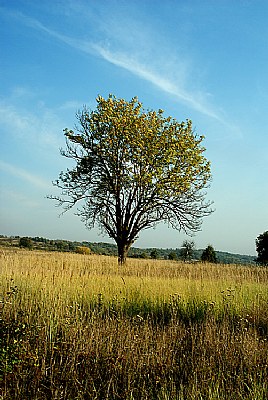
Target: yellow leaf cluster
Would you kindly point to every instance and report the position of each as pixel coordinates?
(146, 147)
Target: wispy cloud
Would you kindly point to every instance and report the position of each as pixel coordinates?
(35, 24)
(40, 128)
(72, 105)
(133, 64)
(127, 62)
(25, 175)
(8, 196)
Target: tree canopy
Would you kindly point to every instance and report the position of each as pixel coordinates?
(26, 242)
(187, 250)
(209, 255)
(133, 169)
(262, 248)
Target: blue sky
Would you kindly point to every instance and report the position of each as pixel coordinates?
(203, 60)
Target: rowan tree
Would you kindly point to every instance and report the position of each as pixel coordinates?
(133, 169)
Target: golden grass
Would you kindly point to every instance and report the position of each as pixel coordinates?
(80, 327)
(71, 276)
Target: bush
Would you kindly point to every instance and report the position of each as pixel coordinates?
(154, 254)
(172, 256)
(26, 243)
(83, 250)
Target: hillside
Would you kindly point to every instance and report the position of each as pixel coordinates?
(41, 243)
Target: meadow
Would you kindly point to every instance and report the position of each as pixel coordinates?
(81, 327)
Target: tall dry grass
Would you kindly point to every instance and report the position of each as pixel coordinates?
(80, 327)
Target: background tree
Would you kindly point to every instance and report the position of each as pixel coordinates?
(187, 250)
(26, 243)
(154, 254)
(209, 255)
(262, 248)
(172, 255)
(134, 168)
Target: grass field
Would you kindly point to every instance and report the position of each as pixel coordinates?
(80, 327)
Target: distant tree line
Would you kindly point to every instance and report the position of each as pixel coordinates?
(187, 252)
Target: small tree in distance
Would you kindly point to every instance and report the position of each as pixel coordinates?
(209, 255)
(187, 250)
(262, 248)
(154, 254)
(133, 169)
(172, 255)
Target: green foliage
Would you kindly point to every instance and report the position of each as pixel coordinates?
(26, 242)
(111, 249)
(209, 255)
(139, 254)
(262, 248)
(187, 250)
(62, 245)
(154, 254)
(12, 332)
(134, 168)
(172, 255)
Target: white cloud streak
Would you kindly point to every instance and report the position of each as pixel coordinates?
(39, 129)
(133, 66)
(197, 101)
(25, 175)
(9, 197)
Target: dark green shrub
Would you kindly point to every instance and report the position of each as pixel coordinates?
(172, 256)
(209, 255)
(26, 243)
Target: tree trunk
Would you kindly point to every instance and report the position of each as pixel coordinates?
(122, 252)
